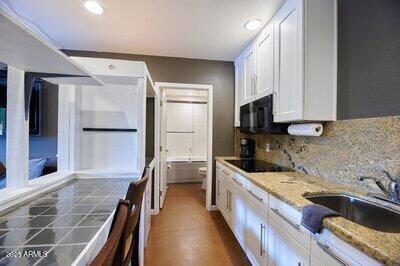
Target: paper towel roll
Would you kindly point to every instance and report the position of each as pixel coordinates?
(311, 129)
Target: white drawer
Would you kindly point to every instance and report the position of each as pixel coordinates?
(258, 196)
(238, 181)
(331, 250)
(289, 219)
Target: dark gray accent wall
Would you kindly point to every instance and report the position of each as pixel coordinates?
(44, 145)
(220, 74)
(368, 58)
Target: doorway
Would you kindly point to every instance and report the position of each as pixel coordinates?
(185, 118)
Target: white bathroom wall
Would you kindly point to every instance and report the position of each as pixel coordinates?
(111, 106)
(186, 131)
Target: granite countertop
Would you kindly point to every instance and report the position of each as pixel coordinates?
(382, 246)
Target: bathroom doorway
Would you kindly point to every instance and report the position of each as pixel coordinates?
(185, 137)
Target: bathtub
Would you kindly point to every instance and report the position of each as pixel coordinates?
(184, 171)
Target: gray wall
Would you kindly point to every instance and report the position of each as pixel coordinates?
(44, 145)
(368, 58)
(220, 74)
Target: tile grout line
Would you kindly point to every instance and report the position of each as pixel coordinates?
(57, 244)
(110, 194)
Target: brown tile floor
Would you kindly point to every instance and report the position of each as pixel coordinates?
(185, 233)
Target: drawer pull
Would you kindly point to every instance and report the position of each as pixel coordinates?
(330, 253)
(254, 195)
(262, 238)
(237, 182)
(275, 210)
(225, 172)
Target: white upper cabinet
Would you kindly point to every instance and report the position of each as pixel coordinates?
(288, 54)
(265, 60)
(250, 70)
(239, 85)
(295, 58)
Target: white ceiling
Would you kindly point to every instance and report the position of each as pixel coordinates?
(205, 29)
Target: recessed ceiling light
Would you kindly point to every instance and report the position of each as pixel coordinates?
(191, 93)
(94, 7)
(252, 24)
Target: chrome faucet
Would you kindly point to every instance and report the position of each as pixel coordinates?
(392, 192)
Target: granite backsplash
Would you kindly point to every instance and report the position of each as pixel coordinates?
(347, 149)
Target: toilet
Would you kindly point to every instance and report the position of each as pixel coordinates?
(203, 174)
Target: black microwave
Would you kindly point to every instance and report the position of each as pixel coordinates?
(258, 117)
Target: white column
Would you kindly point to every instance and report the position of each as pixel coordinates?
(63, 138)
(141, 130)
(17, 130)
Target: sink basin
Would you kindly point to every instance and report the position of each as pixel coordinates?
(360, 211)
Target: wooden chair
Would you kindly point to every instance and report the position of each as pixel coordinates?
(130, 240)
(112, 247)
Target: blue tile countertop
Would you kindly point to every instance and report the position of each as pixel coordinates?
(54, 228)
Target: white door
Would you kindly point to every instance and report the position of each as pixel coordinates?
(284, 250)
(249, 74)
(238, 221)
(265, 55)
(288, 62)
(256, 235)
(163, 150)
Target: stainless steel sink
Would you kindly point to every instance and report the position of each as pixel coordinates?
(360, 211)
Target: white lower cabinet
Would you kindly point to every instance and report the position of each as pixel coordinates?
(269, 230)
(225, 200)
(238, 218)
(256, 235)
(284, 250)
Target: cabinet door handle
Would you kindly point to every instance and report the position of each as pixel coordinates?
(230, 201)
(254, 195)
(237, 182)
(297, 226)
(219, 181)
(226, 173)
(262, 228)
(330, 253)
(227, 200)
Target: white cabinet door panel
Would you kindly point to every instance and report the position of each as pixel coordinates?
(239, 89)
(265, 56)
(238, 216)
(250, 66)
(288, 60)
(283, 250)
(256, 235)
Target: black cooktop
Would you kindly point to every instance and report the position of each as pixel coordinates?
(255, 165)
